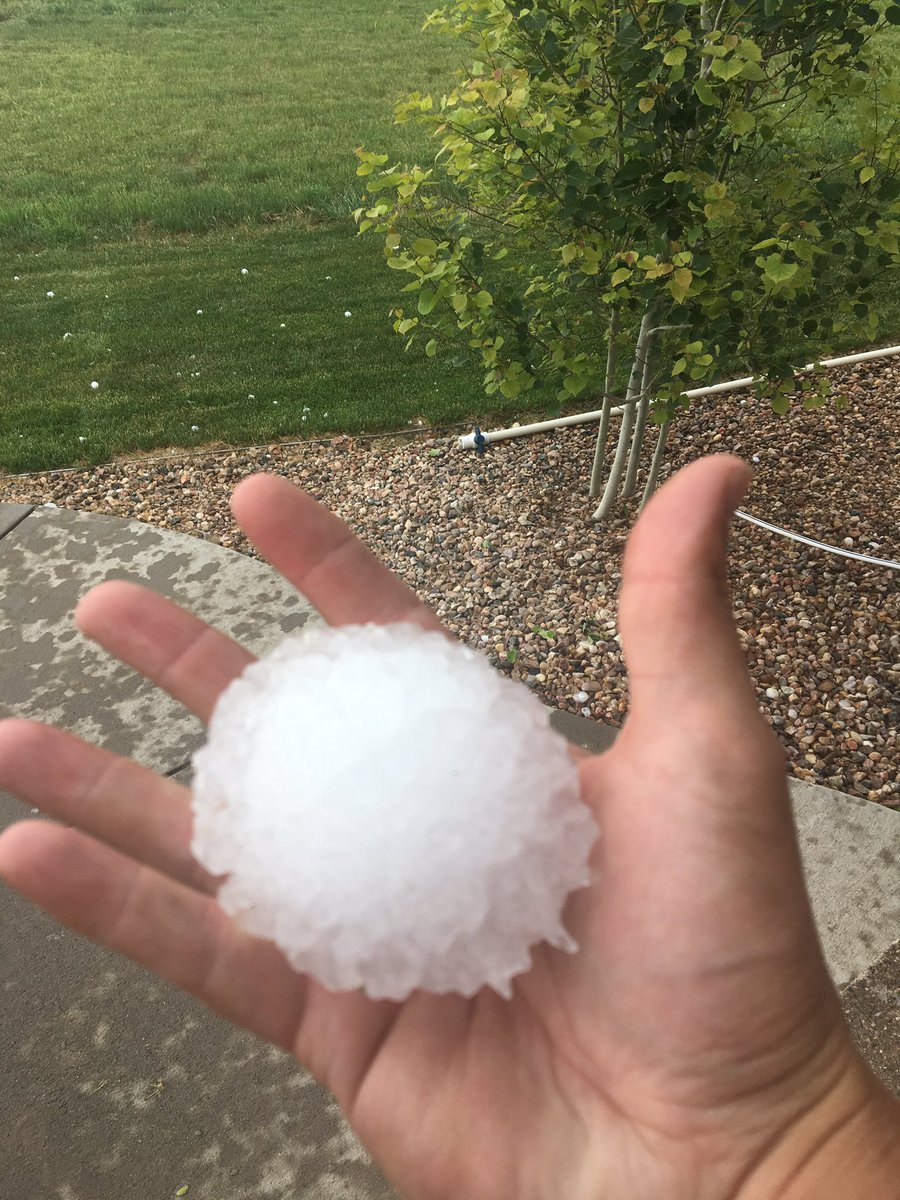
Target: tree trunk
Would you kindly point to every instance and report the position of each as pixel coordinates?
(612, 357)
(658, 455)
(637, 439)
(641, 351)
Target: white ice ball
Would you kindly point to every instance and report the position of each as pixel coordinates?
(391, 811)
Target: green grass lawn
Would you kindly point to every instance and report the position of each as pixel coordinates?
(272, 354)
(152, 149)
(185, 115)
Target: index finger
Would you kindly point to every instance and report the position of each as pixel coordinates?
(316, 552)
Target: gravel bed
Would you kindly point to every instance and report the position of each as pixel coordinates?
(503, 548)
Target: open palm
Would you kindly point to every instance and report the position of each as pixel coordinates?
(684, 1052)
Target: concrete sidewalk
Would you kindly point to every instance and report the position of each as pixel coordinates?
(118, 1087)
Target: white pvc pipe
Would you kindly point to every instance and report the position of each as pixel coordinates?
(467, 440)
(799, 537)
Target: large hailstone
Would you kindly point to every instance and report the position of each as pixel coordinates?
(390, 811)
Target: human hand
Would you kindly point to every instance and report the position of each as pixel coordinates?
(693, 1048)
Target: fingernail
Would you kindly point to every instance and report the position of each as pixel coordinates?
(738, 486)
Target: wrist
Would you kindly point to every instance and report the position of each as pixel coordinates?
(846, 1148)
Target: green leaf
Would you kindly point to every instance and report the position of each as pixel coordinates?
(646, 103)
(431, 348)
(812, 402)
(780, 404)
(512, 654)
(705, 93)
(680, 283)
(778, 270)
(427, 301)
(892, 14)
(748, 49)
(741, 122)
(754, 72)
(621, 275)
(727, 68)
(425, 246)
(866, 174)
(675, 57)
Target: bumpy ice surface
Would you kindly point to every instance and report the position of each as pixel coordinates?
(390, 811)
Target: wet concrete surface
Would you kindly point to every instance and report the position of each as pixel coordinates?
(117, 1087)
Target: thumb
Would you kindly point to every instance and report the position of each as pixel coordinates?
(678, 634)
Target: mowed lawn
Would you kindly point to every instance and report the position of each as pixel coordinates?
(153, 150)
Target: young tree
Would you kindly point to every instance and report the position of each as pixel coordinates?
(642, 188)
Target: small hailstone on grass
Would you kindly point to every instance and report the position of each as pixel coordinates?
(94, 385)
(66, 336)
(82, 439)
(348, 314)
(199, 312)
(251, 397)
(283, 326)
(244, 271)
(50, 295)
(16, 278)
(385, 834)
(195, 429)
